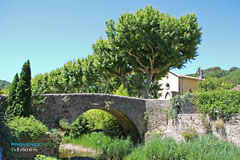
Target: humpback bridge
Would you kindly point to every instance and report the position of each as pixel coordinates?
(136, 116)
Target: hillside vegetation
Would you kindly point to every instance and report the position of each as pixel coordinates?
(4, 84)
(232, 75)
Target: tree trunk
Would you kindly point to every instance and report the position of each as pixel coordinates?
(147, 85)
(123, 81)
(106, 88)
(99, 87)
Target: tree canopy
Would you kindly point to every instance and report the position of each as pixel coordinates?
(155, 42)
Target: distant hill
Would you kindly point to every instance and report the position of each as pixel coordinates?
(4, 84)
(232, 75)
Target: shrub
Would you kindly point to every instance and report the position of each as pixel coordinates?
(6, 138)
(78, 127)
(219, 125)
(63, 124)
(43, 157)
(121, 91)
(27, 128)
(190, 133)
(55, 135)
(223, 104)
(214, 84)
(206, 124)
(98, 119)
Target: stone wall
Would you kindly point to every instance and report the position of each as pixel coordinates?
(156, 113)
(230, 130)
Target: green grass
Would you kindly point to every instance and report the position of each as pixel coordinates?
(202, 148)
(110, 148)
(206, 147)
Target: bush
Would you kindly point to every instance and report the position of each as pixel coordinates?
(43, 157)
(190, 133)
(78, 127)
(63, 124)
(219, 125)
(27, 128)
(214, 84)
(6, 138)
(98, 119)
(223, 104)
(121, 91)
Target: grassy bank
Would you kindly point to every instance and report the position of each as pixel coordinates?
(202, 148)
(110, 148)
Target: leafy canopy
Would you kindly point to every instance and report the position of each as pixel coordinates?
(155, 42)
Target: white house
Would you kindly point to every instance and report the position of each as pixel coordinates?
(173, 84)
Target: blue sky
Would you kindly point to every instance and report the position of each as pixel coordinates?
(51, 32)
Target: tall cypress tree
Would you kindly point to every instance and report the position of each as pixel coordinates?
(24, 92)
(11, 112)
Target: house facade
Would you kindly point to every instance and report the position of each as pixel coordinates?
(173, 84)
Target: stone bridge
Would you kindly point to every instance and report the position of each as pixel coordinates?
(135, 115)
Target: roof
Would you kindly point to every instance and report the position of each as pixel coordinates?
(188, 77)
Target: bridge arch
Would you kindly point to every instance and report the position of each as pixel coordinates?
(129, 112)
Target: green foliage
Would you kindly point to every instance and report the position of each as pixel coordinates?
(121, 91)
(3, 91)
(55, 135)
(27, 128)
(155, 149)
(110, 61)
(206, 71)
(233, 77)
(213, 84)
(190, 133)
(233, 69)
(6, 137)
(91, 120)
(24, 91)
(43, 157)
(12, 111)
(4, 84)
(63, 124)
(203, 147)
(98, 119)
(217, 74)
(154, 42)
(78, 127)
(208, 147)
(177, 103)
(19, 97)
(222, 104)
(110, 148)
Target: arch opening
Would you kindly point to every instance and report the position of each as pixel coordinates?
(128, 128)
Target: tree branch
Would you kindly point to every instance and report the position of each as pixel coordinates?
(138, 60)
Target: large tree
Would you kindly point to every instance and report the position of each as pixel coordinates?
(11, 112)
(24, 92)
(155, 42)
